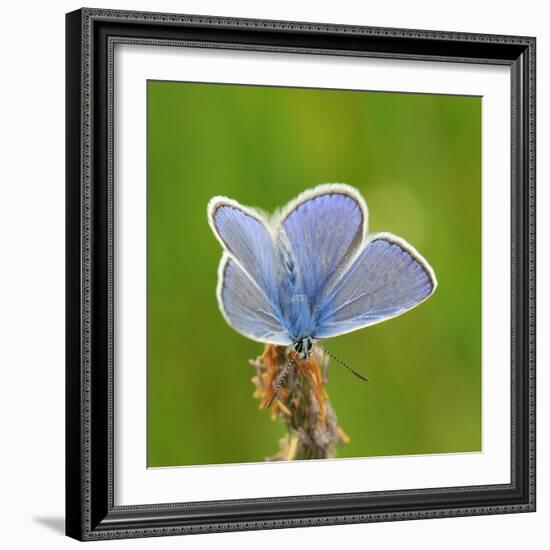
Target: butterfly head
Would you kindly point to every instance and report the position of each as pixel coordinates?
(303, 347)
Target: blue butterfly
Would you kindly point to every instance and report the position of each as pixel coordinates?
(311, 271)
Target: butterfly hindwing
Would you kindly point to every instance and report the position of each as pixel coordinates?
(387, 278)
(246, 307)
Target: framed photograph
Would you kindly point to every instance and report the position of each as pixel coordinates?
(300, 274)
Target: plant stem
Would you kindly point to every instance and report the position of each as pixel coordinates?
(302, 404)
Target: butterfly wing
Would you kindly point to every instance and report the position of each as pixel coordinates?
(387, 278)
(245, 306)
(245, 237)
(325, 227)
(247, 290)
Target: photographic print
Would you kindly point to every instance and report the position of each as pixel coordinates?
(313, 274)
(300, 274)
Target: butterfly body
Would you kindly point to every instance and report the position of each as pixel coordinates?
(303, 347)
(312, 271)
(296, 308)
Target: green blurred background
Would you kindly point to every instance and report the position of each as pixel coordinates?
(417, 161)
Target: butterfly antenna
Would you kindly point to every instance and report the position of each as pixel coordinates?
(358, 374)
(282, 377)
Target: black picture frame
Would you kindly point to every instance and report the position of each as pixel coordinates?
(90, 510)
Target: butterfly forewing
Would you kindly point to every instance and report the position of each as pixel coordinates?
(325, 227)
(246, 238)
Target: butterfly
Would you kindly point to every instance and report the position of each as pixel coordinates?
(312, 271)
